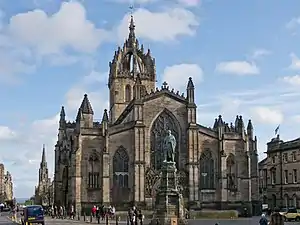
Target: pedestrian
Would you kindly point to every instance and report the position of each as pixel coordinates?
(276, 218)
(263, 220)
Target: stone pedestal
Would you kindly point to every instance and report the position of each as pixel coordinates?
(169, 208)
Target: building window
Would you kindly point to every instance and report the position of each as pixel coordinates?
(286, 201)
(285, 157)
(295, 178)
(127, 93)
(93, 180)
(94, 171)
(273, 159)
(273, 176)
(265, 178)
(286, 177)
(207, 170)
(294, 156)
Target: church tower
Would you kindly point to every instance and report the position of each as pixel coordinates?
(129, 63)
(43, 171)
(41, 196)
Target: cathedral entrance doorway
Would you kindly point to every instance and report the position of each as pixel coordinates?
(121, 188)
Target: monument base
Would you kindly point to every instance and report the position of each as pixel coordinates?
(169, 207)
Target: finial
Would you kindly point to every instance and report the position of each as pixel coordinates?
(131, 8)
(164, 85)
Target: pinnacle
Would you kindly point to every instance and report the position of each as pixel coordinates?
(86, 107)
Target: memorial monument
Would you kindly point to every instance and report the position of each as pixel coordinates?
(169, 205)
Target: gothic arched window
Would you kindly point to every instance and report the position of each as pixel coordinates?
(207, 170)
(121, 168)
(295, 201)
(94, 171)
(127, 93)
(231, 173)
(159, 128)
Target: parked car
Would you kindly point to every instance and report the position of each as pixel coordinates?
(290, 214)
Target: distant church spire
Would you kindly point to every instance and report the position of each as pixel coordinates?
(43, 155)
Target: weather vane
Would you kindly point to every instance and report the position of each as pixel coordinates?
(131, 8)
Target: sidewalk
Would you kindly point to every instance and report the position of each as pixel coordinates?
(87, 220)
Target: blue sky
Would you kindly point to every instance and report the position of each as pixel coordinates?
(242, 55)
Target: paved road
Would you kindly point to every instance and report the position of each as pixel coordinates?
(4, 220)
(242, 221)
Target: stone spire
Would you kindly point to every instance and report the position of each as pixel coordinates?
(190, 89)
(131, 30)
(86, 107)
(43, 171)
(43, 162)
(105, 116)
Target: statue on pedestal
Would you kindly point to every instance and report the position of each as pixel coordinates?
(169, 205)
(169, 147)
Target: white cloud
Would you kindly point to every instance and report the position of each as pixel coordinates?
(292, 80)
(266, 115)
(189, 2)
(177, 75)
(6, 133)
(293, 23)
(159, 26)
(295, 64)
(237, 68)
(259, 53)
(68, 27)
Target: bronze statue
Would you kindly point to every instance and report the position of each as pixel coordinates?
(169, 147)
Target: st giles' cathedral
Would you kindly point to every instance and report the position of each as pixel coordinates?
(117, 160)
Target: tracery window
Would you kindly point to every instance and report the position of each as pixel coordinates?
(94, 171)
(127, 93)
(207, 170)
(162, 123)
(231, 172)
(120, 167)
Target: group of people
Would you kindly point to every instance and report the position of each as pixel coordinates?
(60, 212)
(103, 212)
(135, 215)
(275, 219)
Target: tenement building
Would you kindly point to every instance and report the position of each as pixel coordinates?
(43, 189)
(117, 160)
(279, 174)
(6, 185)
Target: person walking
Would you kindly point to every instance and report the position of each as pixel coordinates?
(276, 218)
(263, 220)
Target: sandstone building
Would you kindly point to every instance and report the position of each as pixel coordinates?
(117, 160)
(43, 189)
(6, 185)
(279, 174)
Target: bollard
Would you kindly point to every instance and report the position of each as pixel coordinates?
(91, 218)
(107, 221)
(141, 220)
(84, 216)
(117, 220)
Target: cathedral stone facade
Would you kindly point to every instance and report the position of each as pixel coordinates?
(117, 161)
